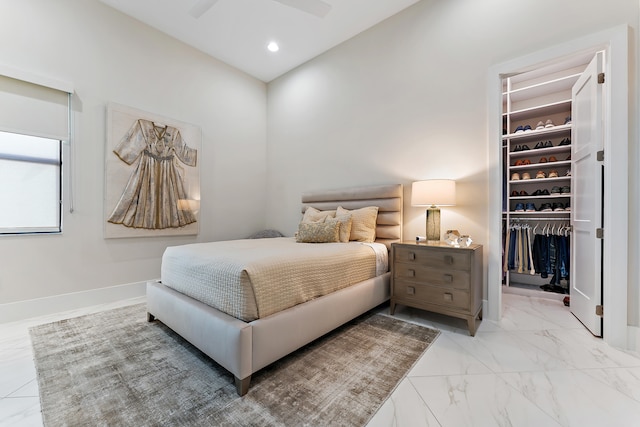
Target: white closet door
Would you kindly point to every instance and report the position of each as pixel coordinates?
(586, 205)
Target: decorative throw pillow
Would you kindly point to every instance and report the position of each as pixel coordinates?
(318, 232)
(315, 215)
(266, 234)
(363, 227)
(345, 226)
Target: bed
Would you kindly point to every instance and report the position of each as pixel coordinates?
(245, 346)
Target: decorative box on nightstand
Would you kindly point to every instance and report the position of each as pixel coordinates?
(437, 277)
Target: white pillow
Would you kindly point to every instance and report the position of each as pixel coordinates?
(345, 226)
(363, 227)
(315, 215)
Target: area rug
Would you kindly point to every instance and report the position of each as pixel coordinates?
(115, 369)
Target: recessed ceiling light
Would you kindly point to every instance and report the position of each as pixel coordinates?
(273, 47)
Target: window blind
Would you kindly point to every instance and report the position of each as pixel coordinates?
(31, 109)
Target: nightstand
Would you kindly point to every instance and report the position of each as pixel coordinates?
(437, 277)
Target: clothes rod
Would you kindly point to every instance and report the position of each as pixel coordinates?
(539, 219)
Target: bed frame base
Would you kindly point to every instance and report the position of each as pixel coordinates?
(244, 348)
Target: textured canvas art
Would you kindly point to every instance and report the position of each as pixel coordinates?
(152, 175)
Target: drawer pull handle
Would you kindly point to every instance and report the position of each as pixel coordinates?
(411, 290)
(448, 260)
(412, 256)
(448, 278)
(448, 297)
(411, 273)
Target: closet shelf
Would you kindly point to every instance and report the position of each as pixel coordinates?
(550, 196)
(541, 165)
(539, 180)
(545, 87)
(549, 109)
(536, 134)
(533, 152)
(538, 214)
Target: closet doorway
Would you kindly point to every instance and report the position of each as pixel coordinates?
(598, 267)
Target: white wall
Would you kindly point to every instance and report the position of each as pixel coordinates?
(112, 58)
(407, 100)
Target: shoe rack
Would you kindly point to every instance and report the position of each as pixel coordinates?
(536, 144)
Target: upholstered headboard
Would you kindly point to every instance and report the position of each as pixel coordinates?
(388, 198)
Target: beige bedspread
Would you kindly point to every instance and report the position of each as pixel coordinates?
(253, 278)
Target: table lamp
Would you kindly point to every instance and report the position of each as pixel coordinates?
(433, 193)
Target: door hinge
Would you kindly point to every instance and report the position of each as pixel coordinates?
(599, 310)
(600, 233)
(600, 78)
(600, 156)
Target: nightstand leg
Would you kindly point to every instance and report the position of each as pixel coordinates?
(471, 322)
(392, 308)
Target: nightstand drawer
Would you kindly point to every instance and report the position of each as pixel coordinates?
(432, 276)
(416, 295)
(439, 258)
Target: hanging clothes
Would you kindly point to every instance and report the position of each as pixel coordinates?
(152, 197)
(544, 252)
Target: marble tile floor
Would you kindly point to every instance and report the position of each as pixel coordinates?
(538, 366)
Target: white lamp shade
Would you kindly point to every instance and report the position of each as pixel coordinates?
(438, 192)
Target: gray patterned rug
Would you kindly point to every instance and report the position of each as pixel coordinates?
(115, 369)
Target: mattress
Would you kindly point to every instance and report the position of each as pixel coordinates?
(254, 278)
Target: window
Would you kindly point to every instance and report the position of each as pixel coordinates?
(30, 173)
(34, 127)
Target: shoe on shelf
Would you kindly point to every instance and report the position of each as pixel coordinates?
(515, 176)
(540, 175)
(530, 207)
(542, 160)
(568, 157)
(566, 141)
(519, 207)
(539, 145)
(538, 192)
(548, 144)
(567, 120)
(527, 128)
(519, 129)
(557, 207)
(548, 124)
(565, 190)
(545, 192)
(518, 163)
(568, 173)
(524, 148)
(516, 149)
(546, 207)
(567, 207)
(555, 190)
(514, 193)
(526, 162)
(553, 174)
(526, 175)
(553, 159)
(540, 125)
(523, 193)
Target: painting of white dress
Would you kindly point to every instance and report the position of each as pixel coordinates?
(152, 175)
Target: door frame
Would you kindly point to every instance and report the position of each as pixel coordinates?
(615, 43)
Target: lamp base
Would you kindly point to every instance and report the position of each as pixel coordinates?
(433, 224)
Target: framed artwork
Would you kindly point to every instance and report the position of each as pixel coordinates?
(152, 175)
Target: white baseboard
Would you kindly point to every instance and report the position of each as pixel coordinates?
(633, 338)
(22, 310)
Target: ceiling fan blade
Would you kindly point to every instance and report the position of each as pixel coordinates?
(200, 7)
(318, 8)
